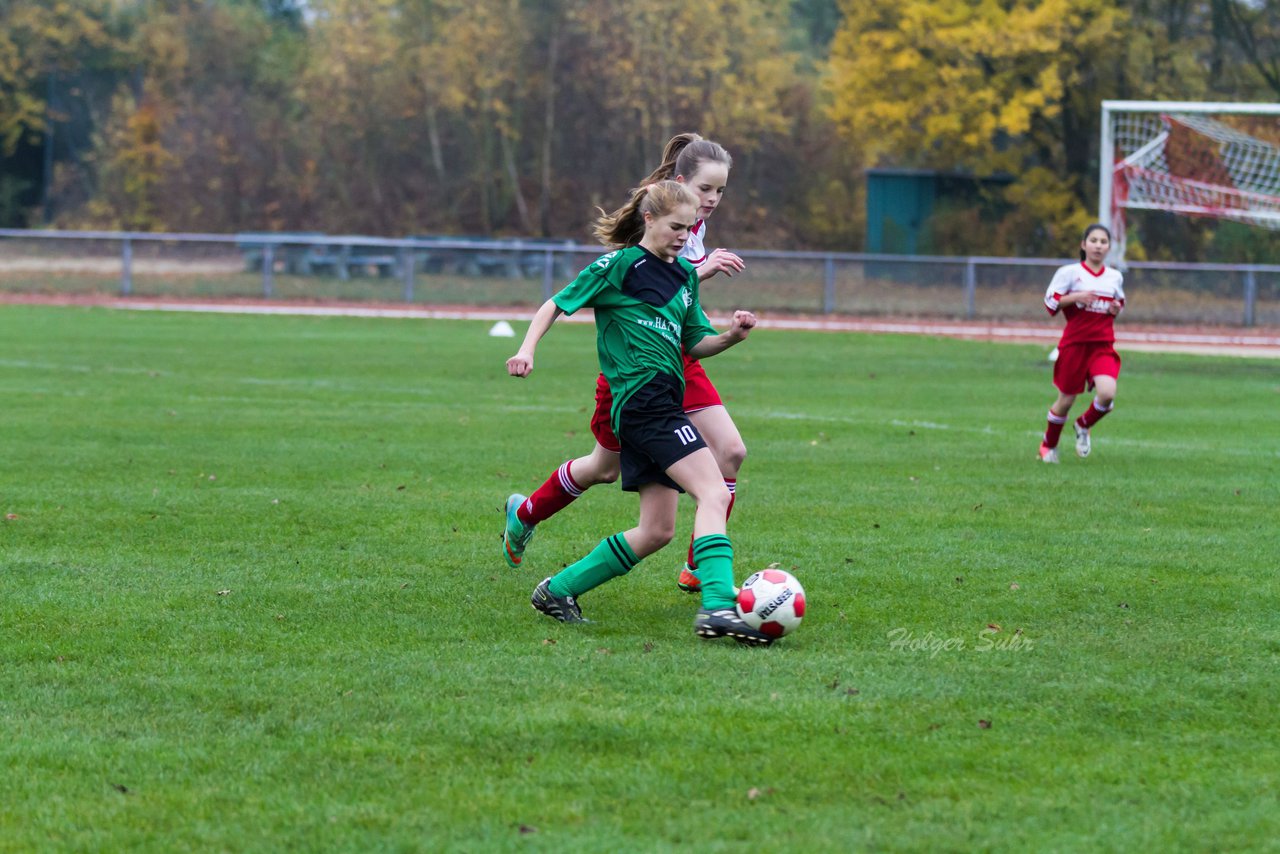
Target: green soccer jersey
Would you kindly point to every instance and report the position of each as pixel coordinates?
(646, 310)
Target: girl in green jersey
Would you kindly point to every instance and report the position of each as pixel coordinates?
(645, 299)
(703, 166)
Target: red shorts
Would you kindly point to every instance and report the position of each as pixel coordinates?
(1078, 364)
(699, 393)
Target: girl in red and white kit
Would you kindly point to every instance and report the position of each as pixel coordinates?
(1090, 295)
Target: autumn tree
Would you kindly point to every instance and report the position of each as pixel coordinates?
(981, 87)
(41, 43)
(200, 138)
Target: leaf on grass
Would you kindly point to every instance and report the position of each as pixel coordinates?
(525, 828)
(548, 641)
(224, 592)
(959, 579)
(977, 506)
(1015, 586)
(995, 627)
(648, 647)
(122, 789)
(1124, 604)
(400, 488)
(852, 692)
(753, 793)
(604, 650)
(11, 516)
(984, 724)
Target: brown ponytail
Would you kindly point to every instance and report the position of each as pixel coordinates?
(625, 226)
(684, 153)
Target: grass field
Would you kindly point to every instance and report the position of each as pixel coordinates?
(251, 599)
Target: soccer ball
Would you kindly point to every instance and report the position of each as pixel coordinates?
(772, 601)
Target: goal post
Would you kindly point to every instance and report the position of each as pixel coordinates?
(1193, 158)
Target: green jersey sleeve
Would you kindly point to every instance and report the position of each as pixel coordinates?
(597, 276)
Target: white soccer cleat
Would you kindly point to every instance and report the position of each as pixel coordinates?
(1083, 445)
(1047, 454)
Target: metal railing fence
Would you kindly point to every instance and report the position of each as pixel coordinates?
(483, 272)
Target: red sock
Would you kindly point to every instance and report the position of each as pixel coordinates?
(1092, 415)
(732, 483)
(557, 493)
(1054, 429)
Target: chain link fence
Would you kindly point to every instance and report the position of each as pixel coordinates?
(523, 273)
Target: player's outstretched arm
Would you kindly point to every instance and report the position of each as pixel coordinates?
(743, 323)
(521, 364)
(720, 261)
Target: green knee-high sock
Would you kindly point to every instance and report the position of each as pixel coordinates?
(613, 557)
(713, 555)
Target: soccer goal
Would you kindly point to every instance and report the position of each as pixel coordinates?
(1191, 158)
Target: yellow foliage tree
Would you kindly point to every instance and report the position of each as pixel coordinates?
(979, 86)
(38, 39)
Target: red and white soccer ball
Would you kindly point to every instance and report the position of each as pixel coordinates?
(772, 601)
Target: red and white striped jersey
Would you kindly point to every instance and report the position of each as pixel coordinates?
(1092, 322)
(695, 251)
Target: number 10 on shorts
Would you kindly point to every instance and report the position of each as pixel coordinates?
(686, 434)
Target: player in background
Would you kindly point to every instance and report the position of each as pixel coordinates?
(647, 316)
(1090, 296)
(703, 166)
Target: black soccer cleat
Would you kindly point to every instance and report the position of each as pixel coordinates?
(725, 622)
(562, 608)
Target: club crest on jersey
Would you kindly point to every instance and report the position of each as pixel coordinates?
(687, 296)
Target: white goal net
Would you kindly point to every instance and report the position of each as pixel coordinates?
(1193, 159)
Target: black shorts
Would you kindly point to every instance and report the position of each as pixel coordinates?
(655, 433)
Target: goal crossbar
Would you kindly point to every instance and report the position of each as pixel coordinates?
(1175, 156)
